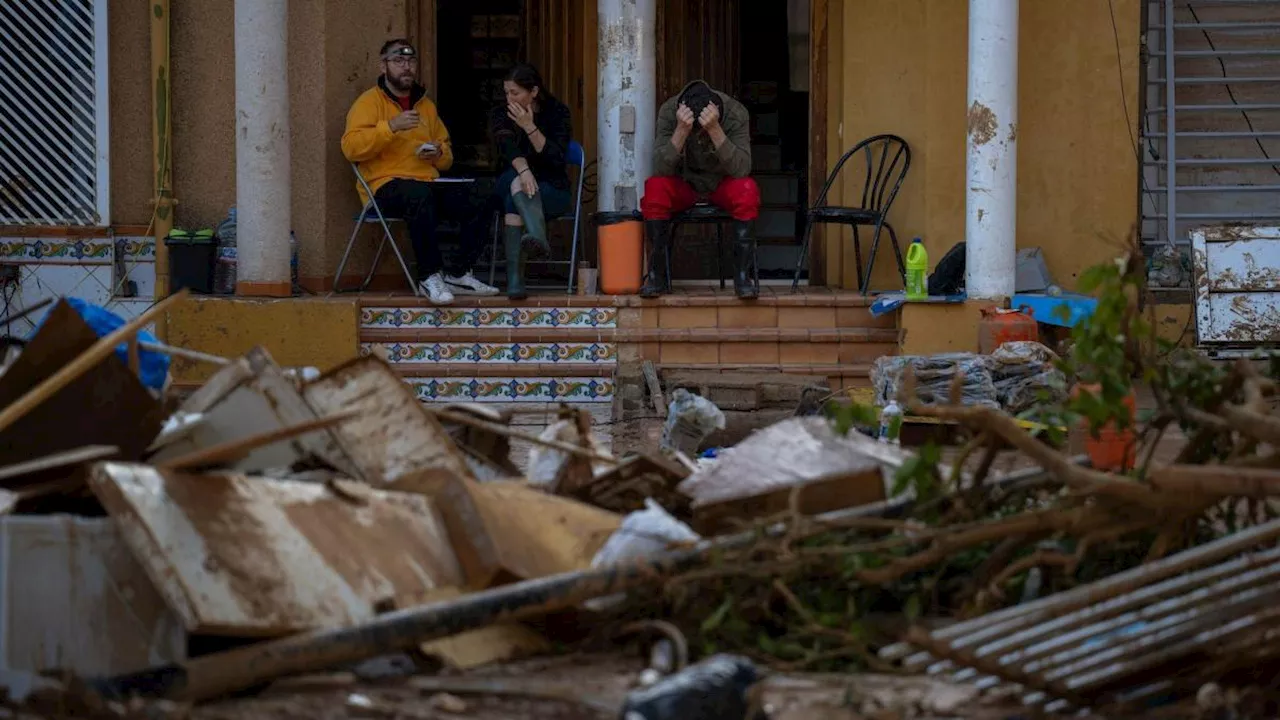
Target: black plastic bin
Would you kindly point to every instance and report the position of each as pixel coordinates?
(192, 259)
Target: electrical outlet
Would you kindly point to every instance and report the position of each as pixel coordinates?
(8, 274)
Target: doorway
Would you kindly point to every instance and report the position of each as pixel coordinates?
(759, 53)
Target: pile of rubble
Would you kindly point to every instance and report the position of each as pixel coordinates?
(161, 555)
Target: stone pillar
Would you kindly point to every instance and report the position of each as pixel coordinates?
(262, 148)
(992, 164)
(627, 107)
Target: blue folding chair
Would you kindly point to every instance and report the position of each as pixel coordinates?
(576, 157)
(372, 214)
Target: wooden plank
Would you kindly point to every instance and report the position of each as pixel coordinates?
(507, 530)
(72, 597)
(477, 648)
(40, 467)
(107, 405)
(394, 435)
(236, 555)
(253, 397)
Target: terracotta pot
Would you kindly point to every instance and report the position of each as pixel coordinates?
(1114, 449)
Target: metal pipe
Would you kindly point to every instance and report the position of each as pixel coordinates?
(627, 111)
(992, 161)
(262, 148)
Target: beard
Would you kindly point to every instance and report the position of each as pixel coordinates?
(403, 82)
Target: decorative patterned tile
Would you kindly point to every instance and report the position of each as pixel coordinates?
(462, 318)
(486, 352)
(69, 251)
(507, 390)
(141, 248)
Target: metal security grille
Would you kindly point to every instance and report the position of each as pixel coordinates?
(53, 112)
(1211, 128)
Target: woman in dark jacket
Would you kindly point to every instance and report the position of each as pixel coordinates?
(532, 132)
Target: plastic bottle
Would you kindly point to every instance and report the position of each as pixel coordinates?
(891, 423)
(917, 280)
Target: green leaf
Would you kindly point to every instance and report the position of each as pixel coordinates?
(912, 608)
(715, 619)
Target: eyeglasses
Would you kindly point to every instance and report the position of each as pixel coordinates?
(402, 61)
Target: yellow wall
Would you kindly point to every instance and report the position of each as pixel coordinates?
(297, 332)
(900, 67)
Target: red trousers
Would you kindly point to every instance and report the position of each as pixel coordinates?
(665, 196)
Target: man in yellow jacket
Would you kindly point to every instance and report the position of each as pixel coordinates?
(401, 146)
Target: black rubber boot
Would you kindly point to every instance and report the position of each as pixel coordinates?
(657, 283)
(745, 283)
(513, 242)
(535, 224)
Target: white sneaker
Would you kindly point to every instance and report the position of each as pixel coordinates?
(436, 290)
(468, 285)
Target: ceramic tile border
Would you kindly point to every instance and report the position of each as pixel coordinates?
(479, 318)
(138, 249)
(495, 352)
(508, 390)
(54, 250)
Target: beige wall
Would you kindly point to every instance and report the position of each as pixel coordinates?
(901, 68)
(332, 58)
(130, 91)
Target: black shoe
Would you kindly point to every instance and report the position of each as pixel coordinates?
(657, 283)
(746, 281)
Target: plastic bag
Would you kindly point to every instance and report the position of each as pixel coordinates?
(690, 419)
(153, 367)
(1023, 370)
(717, 688)
(934, 375)
(643, 533)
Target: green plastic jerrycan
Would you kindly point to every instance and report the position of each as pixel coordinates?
(917, 271)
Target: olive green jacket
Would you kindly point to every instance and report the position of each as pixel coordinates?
(702, 164)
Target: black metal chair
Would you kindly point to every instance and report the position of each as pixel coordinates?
(704, 213)
(887, 160)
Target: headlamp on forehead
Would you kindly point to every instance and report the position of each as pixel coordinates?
(404, 51)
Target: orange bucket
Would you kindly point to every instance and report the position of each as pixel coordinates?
(1114, 449)
(620, 236)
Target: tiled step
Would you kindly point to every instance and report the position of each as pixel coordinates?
(403, 314)
(838, 375)
(529, 389)
(547, 354)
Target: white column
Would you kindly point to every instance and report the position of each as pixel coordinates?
(628, 109)
(991, 196)
(262, 147)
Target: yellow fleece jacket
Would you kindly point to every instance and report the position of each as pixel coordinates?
(384, 155)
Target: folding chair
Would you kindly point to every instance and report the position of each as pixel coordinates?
(879, 188)
(576, 157)
(371, 214)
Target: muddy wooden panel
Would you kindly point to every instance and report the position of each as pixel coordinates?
(1237, 286)
(238, 555)
(72, 597)
(251, 397)
(756, 478)
(394, 435)
(504, 531)
(107, 405)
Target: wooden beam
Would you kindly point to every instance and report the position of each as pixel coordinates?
(819, 12)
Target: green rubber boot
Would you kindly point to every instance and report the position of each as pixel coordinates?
(535, 223)
(513, 241)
